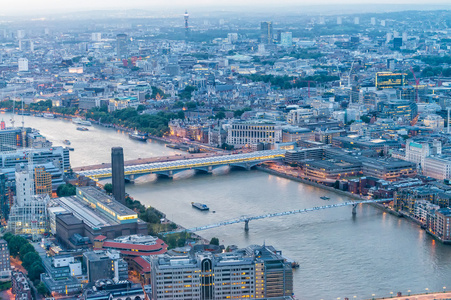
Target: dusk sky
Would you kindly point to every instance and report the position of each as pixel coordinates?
(13, 7)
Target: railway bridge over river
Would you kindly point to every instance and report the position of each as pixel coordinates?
(206, 164)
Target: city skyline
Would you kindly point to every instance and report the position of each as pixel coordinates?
(28, 7)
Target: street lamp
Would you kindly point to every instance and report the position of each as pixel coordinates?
(408, 292)
(444, 289)
(426, 290)
(373, 295)
(391, 294)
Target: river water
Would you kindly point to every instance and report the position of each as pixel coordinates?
(339, 255)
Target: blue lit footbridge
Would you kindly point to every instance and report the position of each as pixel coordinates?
(207, 164)
(246, 219)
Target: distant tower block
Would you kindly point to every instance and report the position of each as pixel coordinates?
(117, 171)
(186, 17)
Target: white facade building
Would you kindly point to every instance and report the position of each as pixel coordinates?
(28, 215)
(435, 122)
(23, 65)
(297, 116)
(417, 151)
(246, 134)
(438, 167)
(422, 208)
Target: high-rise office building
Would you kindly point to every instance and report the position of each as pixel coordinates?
(28, 215)
(397, 43)
(255, 272)
(286, 39)
(5, 198)
(96, 36)
(13, 138)
(5, 265)
(23, 65)
(42, 181)
(117, 169)
(122, 46)
(266, 33)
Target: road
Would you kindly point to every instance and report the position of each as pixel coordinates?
(429, 296)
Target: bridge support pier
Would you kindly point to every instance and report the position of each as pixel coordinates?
(354, 209)
(210, 169)
(246, 225)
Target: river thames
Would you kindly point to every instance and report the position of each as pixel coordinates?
(339, 255)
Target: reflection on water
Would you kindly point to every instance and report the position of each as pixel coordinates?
(340, 255)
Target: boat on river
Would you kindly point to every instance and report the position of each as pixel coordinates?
(136, 135)
(200, 206)
(79, 121)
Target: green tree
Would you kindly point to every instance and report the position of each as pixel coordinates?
(187, 92)
(141, 108)
(214, 241)
(66, 190)
(42, 289)
(24, 249)
(35, 270)
(220, 115)
(178, 104)
(8, 236)
(191, 105)
(29, 259)
(108, 187)
(365, 119)
(181, 114)
(15, 243)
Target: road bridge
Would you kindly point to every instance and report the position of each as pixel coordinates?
(247, 219)
(206, 164)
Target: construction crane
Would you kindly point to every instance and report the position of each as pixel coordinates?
(308, 84)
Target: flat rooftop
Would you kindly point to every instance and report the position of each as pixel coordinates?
(104, 200)
(84, 212)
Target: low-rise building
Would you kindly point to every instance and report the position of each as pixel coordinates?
(110, 290)
(105, 265)
(20, 287)
(388, 169)
(439, 224)
(132, 245)
(438, 167)
(241, 134)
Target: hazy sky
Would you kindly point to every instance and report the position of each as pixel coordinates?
(13, 7)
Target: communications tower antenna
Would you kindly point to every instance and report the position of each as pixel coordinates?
(186, 17)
